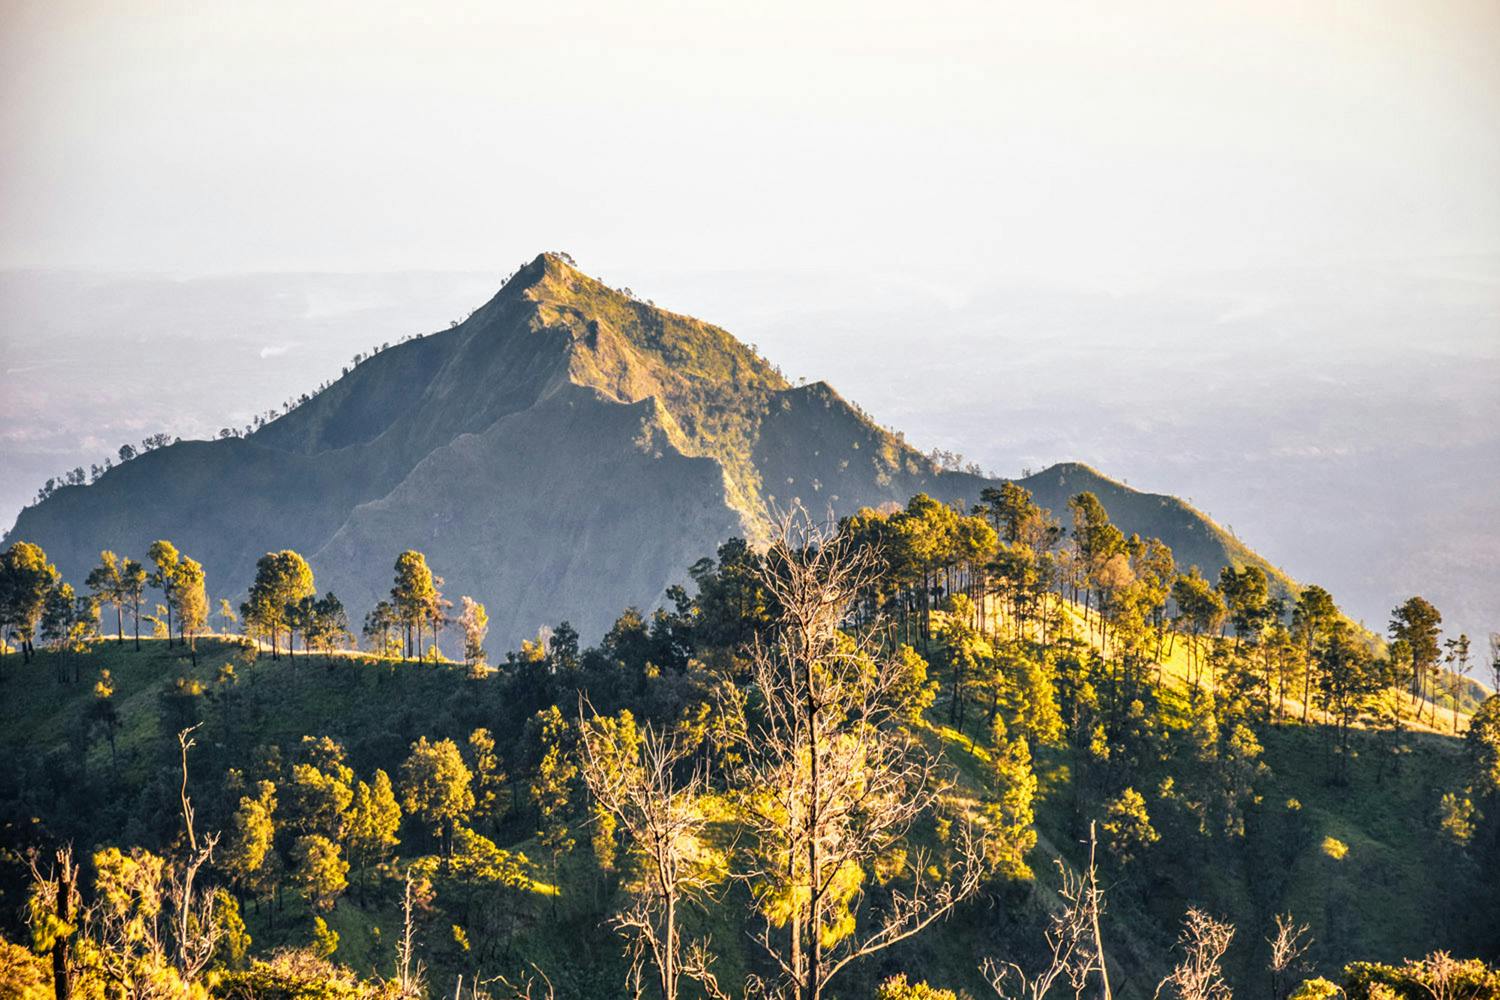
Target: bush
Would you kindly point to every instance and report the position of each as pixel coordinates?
(1437, 975)
(300, 975)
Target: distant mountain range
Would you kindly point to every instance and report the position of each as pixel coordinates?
(565, 452)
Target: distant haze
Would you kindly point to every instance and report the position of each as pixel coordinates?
(1244, 253)
(949, 141)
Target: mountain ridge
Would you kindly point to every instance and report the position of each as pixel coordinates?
(562, 417)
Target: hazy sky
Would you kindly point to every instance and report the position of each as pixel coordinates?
(1244, 252)
(946, 141)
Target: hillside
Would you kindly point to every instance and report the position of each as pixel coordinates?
(560, 411)
(1386, 898)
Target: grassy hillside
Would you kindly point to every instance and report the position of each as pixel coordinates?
(1361, 862)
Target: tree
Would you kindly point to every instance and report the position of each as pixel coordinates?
(1417, 623)
(249, 859)
(414, 598)
(1127, 827)
(1247, 598)
(228, 619)
(831, 779)
(380, 621)
(191, 600)
(1349, 680)
(325, 938)
(968, 654)
(1011, 814)
(321, 789)
(321, 871)
(26, 578)
(1289, 943)
(68, 622)
(475, 622)
(103, 713)
(553, 784)
(282, 580)
(490, 781)
(133, 590)
(1482, 744)
(633, 777)
(1097, 540)
(168, 561)
(1016, 516)
(325, 624)
(1313, 619)
(374, 826)
(1201, 610)
(108, 587)
(1074, 945)
(53, 910)
(1200, 975)
(435, 788)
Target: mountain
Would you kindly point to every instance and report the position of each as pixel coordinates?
(564, 452)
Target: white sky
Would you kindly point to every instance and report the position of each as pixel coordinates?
(947, 141)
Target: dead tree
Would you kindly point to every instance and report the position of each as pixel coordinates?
(1074, 943)
(831, 776)
(195, 930)
(1199, 975)
(636, 781)
(1288, 944)
(409, 973)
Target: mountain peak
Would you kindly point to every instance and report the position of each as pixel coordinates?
(563, 426)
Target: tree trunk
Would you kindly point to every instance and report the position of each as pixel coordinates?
(62, 985)
(814, 861)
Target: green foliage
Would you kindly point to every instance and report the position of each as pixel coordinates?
(325, 939)
(282, 581)
(301, 975)
(897, 988)
(26, 578)
(436, 787)
(247, 859)
(24, 975)
(374, 825)
(1437, 975)
(1316, 988)
(1011, 833)
(320, 871)
(1127, 827)
(1082, 709)
(1482, 742)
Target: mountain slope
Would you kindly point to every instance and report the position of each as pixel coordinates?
(564, 452)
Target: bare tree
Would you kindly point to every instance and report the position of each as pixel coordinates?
(1288, 944)
(196, 932)
(831, 776)
(409, 978)
(528, 986)
(635, 779)
(1199, 976)
(1074, 944)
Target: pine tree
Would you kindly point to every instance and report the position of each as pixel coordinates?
(108, 587)
(436, 788)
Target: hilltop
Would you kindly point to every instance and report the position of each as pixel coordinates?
(561, 411)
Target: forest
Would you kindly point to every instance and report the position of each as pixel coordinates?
(925, 752)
